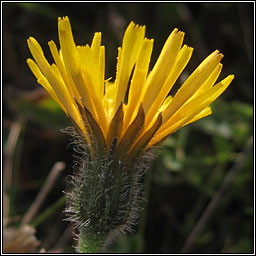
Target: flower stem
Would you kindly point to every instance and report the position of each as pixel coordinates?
(89, 243)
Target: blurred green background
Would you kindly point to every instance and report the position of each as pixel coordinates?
(192, 164)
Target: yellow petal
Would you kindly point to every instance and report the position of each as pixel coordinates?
(180, 63)
(131, 47)
(193, 83)
(165, 103)
(72, 62)
(93, 59)
(138, 80)
(108, 100)
(205, 112)
(43, 81)
(101, 72)
(68, 46)
(55, 82)
(35, 69)
(96, 45)
(162, 68)
(90, 71)
(209, 82)
(68, 80)
(192, 109)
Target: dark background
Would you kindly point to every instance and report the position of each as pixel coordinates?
(192, 164)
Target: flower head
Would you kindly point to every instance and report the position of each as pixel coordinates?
(117, 123)
(148, 114)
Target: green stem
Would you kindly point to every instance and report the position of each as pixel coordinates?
(89, 243)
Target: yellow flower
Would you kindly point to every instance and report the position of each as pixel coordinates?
(119, 122)
(135, 111)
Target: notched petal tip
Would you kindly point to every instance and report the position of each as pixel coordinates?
(132, 26)
(64, 24)
(178, 32)
(187, 47)
(217, 54)
(63, 18)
